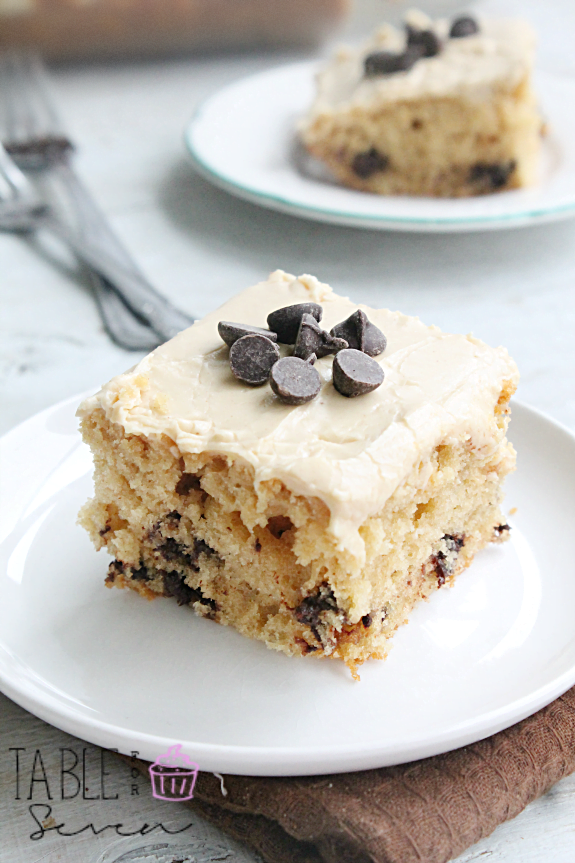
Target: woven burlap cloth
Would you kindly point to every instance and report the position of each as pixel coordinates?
(427, 811)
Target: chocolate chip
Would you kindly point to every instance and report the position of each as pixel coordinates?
(492, 176)
(352, 329)
(294, 381)
(308, 340)
(463, 26)
(369, 163)
(181, 554)
(374, 342)
(118, 568)
(142, 573)
(367, 620)
(176, 552)
(425, 41)
(312, 341)
(361, 334)
(454, 543)
(444, 561)
(174, 585)
(331, 344)
(355, 373)
(311, 609)
(501, 528)
(230, 332)
(386, 63)
(285, 322)
(306, 648)
(251, 359)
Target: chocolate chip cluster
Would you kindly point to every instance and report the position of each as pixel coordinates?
(255, 356)
(419, 43)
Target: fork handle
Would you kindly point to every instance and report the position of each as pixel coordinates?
(123, 327)
(103, 252)
(130, 285)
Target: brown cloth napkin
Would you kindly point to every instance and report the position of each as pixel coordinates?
(427, 811)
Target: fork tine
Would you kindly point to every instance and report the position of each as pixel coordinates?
(29, 124)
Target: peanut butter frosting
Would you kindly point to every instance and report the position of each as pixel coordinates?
(498, 57)
(351, 453)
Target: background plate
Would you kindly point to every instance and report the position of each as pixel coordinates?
(108, 666)
(242, 139)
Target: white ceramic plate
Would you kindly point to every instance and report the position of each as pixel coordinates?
(119, 671)
(242, 139)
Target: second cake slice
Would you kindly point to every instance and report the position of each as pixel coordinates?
(442, 108)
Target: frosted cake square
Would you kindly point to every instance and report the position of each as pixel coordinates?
(438, 108)
(316, 526)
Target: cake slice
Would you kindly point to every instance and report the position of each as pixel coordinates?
(316, 526)
(442, 108)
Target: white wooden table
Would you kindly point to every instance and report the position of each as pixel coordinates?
(200, 246)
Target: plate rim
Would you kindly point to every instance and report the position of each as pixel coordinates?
(273, 760)
(327, 215)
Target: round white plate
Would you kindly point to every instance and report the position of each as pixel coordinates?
(119, 671)
(243, 140)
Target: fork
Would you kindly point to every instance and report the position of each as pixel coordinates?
(135, 315)
(21, 210)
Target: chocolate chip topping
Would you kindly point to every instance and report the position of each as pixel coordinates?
(285, 322)
(252, 357)
(295, 381)
(355, 373)
(386, 63)
(312, 341)
(463, 26)
(368, 163)
(427, 42)
(230, 332)
(361, 334)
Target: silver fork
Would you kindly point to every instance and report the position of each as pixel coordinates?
(33, 136)
(23, 211)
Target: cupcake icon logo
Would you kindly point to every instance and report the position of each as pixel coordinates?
(173, 775)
